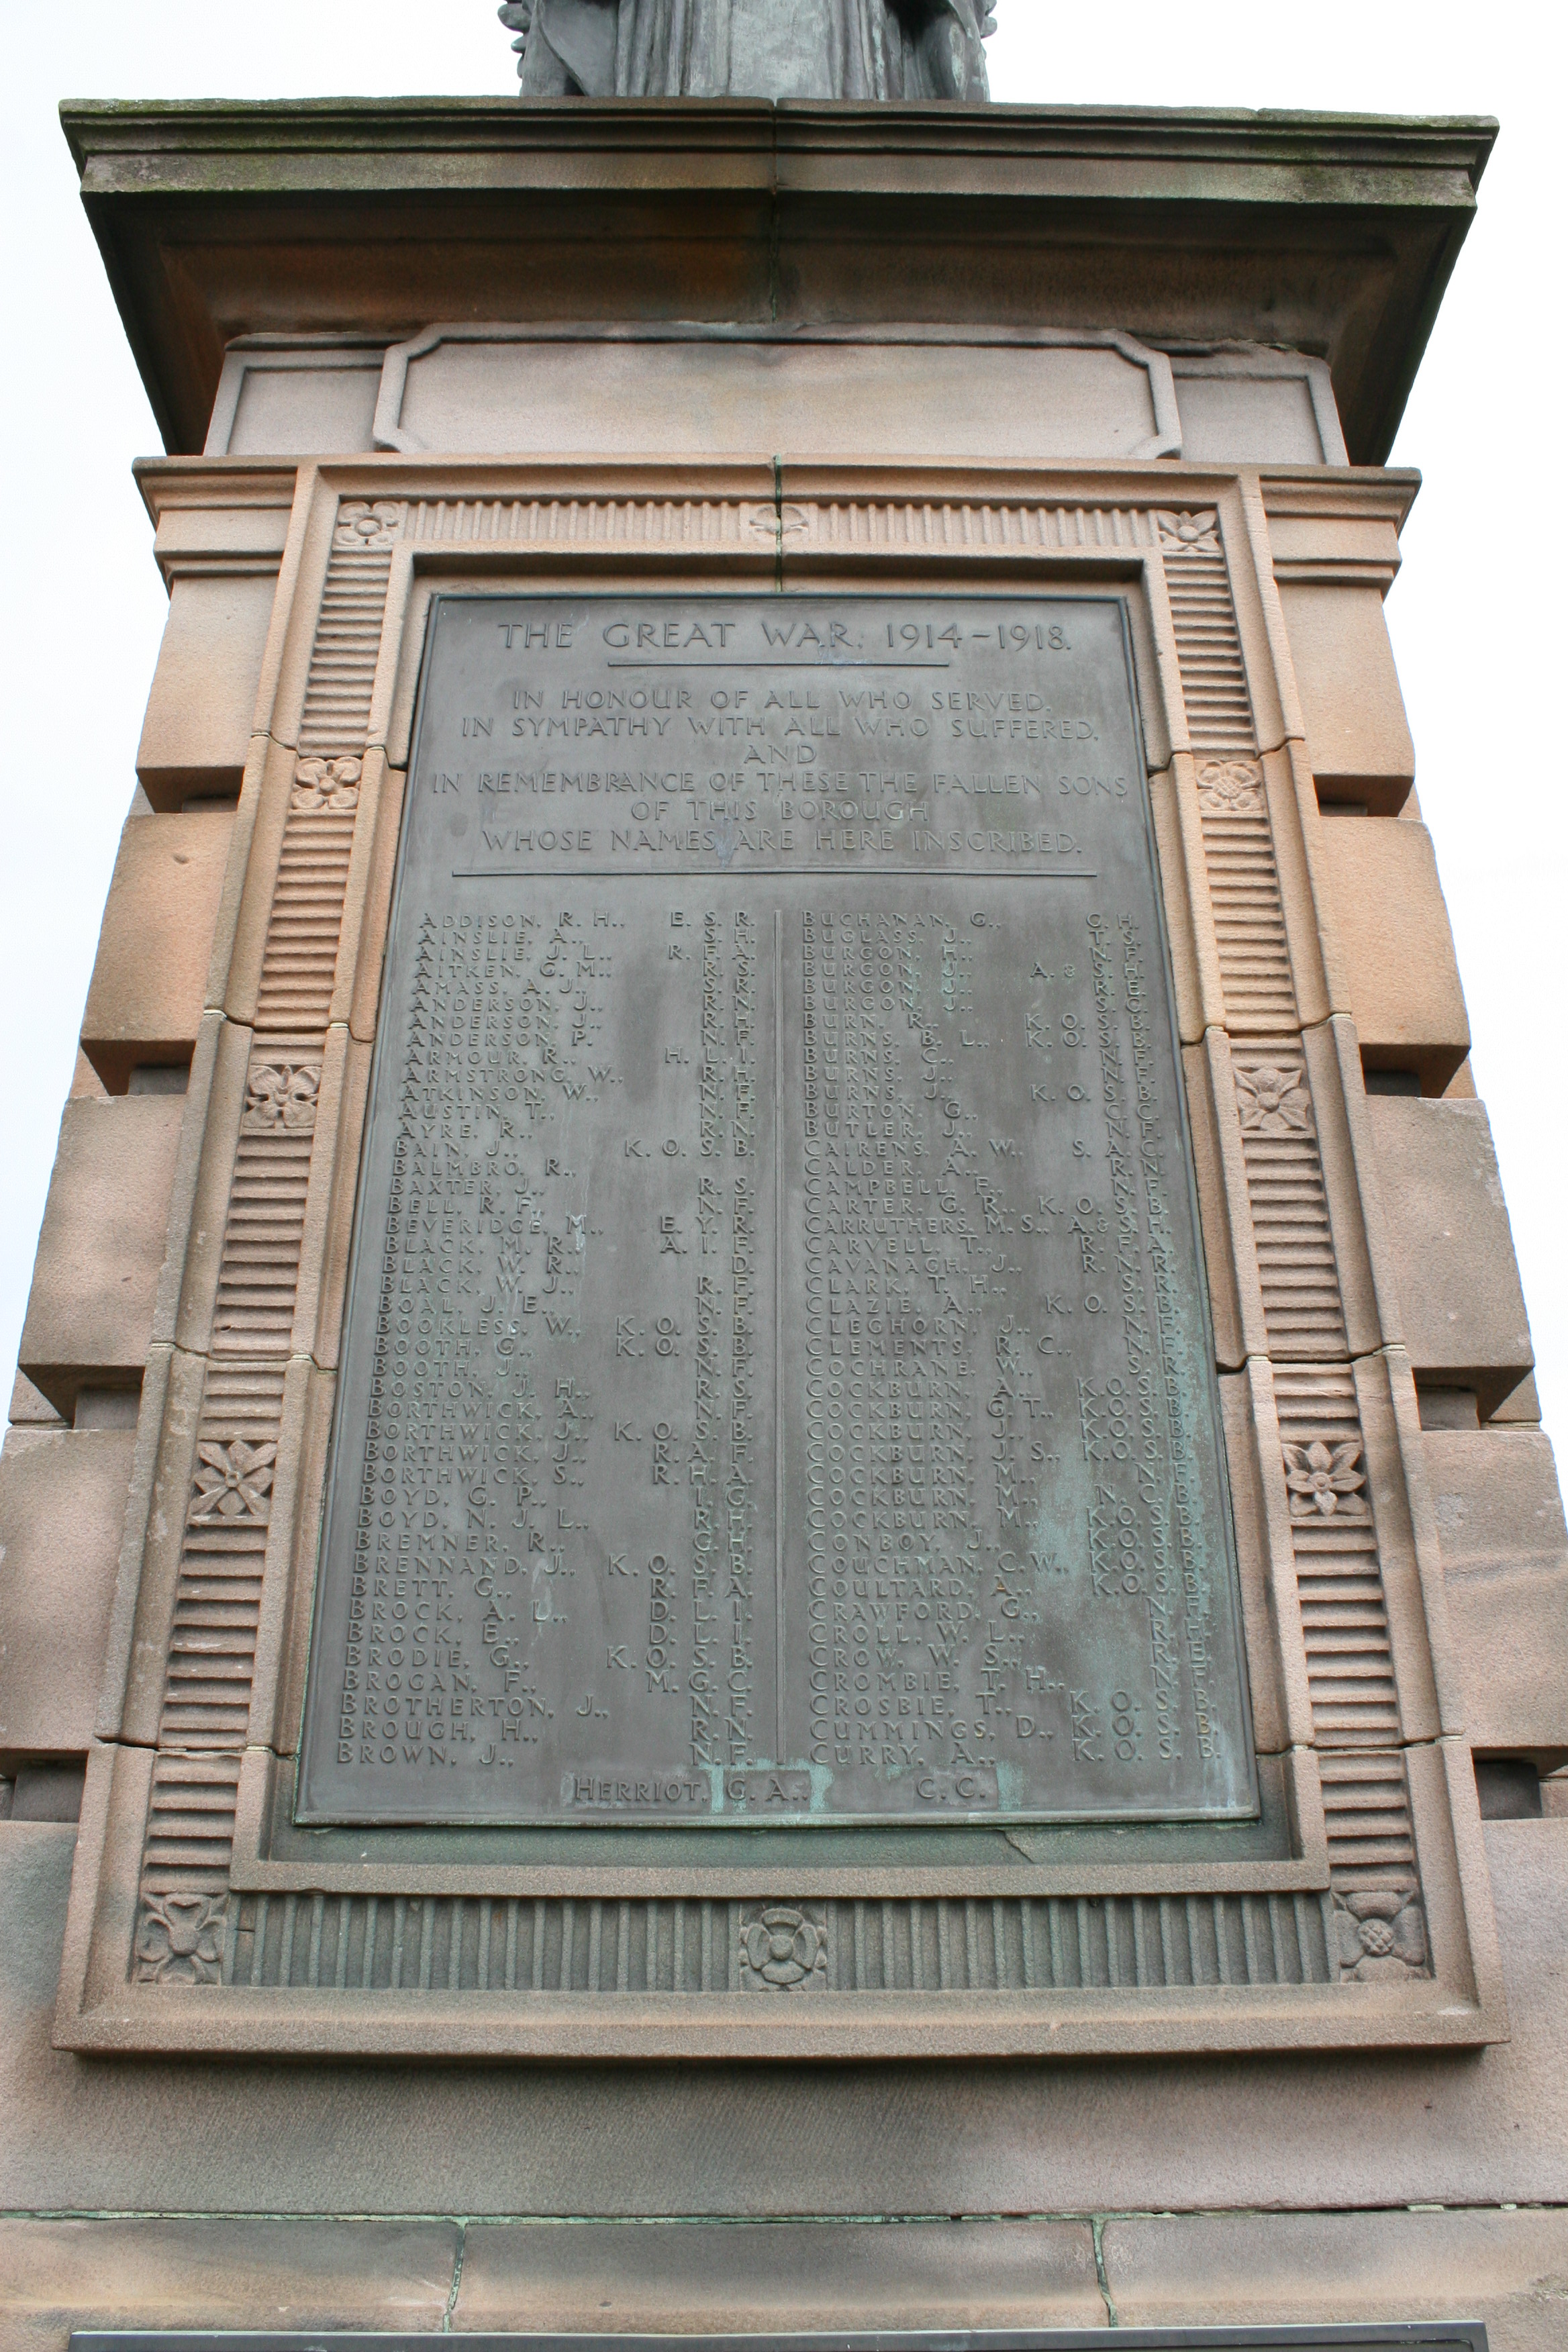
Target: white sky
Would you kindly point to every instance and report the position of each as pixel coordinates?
(1476, 617)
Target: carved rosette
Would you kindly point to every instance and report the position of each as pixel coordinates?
(180, 1938)
(280, 1098)
(368, 526)
(1325, 1481)
(1194, 533)
(233, 1485)
(1273, 1099)
(1230, 788)
(329, 784)
(784, 1949)
(1382, 1935)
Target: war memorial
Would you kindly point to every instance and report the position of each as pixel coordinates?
(775, 1558)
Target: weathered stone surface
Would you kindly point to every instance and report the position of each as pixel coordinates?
(874, 399)
(1461, 1308)
(49, 1788)
(1509, 2270)
(30, 1409)
(85, 1079)
(1505, 1562)
(62, 1509)
(277, 2276)
(90, 1315)
(1107, 218)
(683, 1223)
(149, 983)
(1522, 1408)
(1257, 407)
(196, 734)
(275, 404)
(1364, 2130)
(1358, 737)
(795, 2276)
(1391, 929)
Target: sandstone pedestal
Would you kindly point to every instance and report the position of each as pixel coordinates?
(747, 361)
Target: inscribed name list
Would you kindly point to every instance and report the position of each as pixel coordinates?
(776, 1383)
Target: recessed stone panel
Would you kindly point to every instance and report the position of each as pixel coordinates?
(746, 392)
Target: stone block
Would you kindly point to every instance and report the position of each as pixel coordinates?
(85, 1079)
(90, 1315)
(1363, 2129)
(149, 983)
(196, 738)
(1505, 1566)
(1523, 1407)
(1237, 419)
(62, 1511)
(1229, 2270)
(795, 2277)
(1358, 737)
(196, 534)
(1395, 951)
(1461, 1308)
(296, 404)
(259, 2275)
(30, 1409)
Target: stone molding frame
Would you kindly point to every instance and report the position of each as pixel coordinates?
(1165, 441)
(194, 1926)
(1256, 364)
(260, 355)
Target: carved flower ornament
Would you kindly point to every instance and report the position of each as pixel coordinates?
(179, 1939)
(1382, 1935)
(785, 1951)
(778, 523)
(283, 1094)
(1189, 529)
(332, 784)
(234, 1483)
(1273, 1101)
(1323, 1480)
(371, 526)
(1231, 787)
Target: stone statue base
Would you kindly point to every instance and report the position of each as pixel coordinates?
(953, 380)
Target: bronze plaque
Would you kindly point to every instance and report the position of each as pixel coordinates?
(776, 1382)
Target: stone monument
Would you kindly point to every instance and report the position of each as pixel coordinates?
(775, 1467)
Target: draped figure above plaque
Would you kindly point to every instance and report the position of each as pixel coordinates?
(865, 49)
(776, 1381)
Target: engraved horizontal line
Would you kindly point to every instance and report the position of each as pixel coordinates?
(754, 874)
(820, 669)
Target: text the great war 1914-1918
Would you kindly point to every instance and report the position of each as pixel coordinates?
(776, 1381)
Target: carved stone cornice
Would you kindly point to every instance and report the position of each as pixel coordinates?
(1335, 235)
